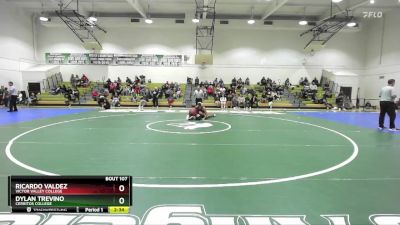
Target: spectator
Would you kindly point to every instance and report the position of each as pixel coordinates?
(340, 101)
(315, 82)
(155, 95)
(196, 81)
(77, 81)
(210, 90)
(142, 103)
(32, 100)
(76, 95)
(6, 97)
(115, 101)
(13, 97)
(247, 82)
(223, 101)
(221, 82)
(128, 81)
(234, 83)
(247, 104)
(1, 94)
(313, 87)
(253, 101)
(95, 95)
(235, 101)
(170, 101)
(84, 81)
(199, 95)
(241, 101)
(263, 81)
(215, 83)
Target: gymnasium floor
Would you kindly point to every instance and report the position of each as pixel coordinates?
(259, 163)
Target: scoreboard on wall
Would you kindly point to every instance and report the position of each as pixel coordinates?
(70, 194)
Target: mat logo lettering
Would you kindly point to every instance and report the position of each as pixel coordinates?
(184, 214)
(190, 125)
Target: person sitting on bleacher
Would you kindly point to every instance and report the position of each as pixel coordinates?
(95, 95)
(84, 80)
(305, 82)
(137, 80)
(234, 83)
(142, 79)
(287, 83)
(32, 100)
(155, 95)
(76, 96)
(253, 101)
(210, 90)
(215, 82)
(313, 88)
(128, 81)
(247, 82)
(115, 101)
(72, 79)
(263, 81)
(221, 82)
(178, 91)
(189, 80)
(340, 101)
(241, 101)
(315, 81)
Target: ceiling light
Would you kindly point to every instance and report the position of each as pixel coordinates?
(148, 21)
(92, 19)
(251, 21)
(372, 1)
(351, 24)
(195, 20)
(303, 22)
(336, 1)
(43, 18)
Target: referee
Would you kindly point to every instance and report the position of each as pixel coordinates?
(13, 97)
(387, 105)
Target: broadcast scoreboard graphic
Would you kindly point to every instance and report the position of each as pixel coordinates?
(70, 194)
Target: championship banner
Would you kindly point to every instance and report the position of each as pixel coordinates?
(113, 59)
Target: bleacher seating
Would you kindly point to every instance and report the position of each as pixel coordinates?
(126, 101)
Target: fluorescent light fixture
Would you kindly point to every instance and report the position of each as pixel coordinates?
(336, 1)
(303, 22)
(148, 21)
(372, 1)
(43, 18)
(195, 20)
(251, 21)
(351, 24)
(92, 19)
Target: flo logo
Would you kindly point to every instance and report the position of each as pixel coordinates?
(190, 125)
(372, 15)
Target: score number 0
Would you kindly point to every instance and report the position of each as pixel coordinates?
(121, 200)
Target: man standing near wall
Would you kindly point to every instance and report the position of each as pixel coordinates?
(13, 97)
(387, 105)
(199, 95)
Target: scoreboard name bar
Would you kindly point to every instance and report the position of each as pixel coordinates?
(69, 191)
(86, 210)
